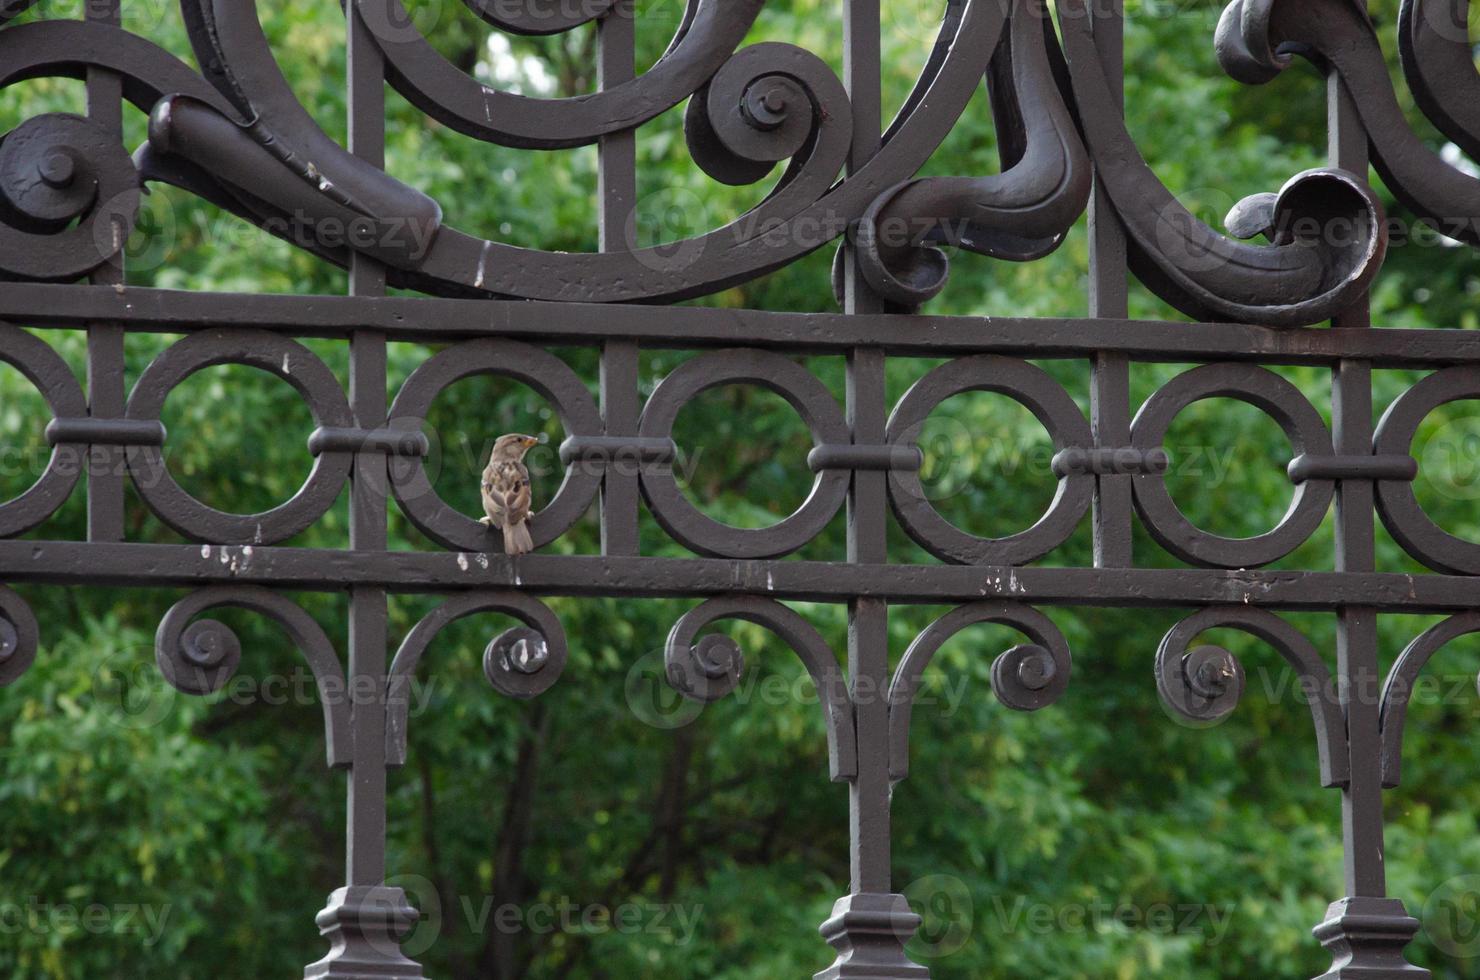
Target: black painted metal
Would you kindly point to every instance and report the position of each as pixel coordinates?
(234, 134)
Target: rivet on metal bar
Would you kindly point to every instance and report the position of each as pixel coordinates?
(607, 449)
(394, 442)
(1394, 467)
(890, 457)
(106, 432)
(1105, 461)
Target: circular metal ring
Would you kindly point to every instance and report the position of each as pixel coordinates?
(1037, 391)
(1401, 513)
(1281, 401)
(45, 369)
(546, 374)
(693, 528)
(280, 357)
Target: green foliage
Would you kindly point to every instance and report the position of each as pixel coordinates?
(709, 845)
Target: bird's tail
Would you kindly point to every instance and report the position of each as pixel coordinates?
(517, 540)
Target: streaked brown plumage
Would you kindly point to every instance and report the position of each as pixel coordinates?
(506, 491)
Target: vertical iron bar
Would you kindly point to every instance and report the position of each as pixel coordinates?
(868, 641)
(365, 919)
(621, 408)
(1110, 378)
(1348, 149)
(870, 926)
(107, 391)
(1357, 640)
(617, 193)
(868, 634)
(366, 855)
(617, 173)
(1365, 931)
(862, 77)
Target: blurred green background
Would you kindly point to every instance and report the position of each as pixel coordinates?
(635, 837)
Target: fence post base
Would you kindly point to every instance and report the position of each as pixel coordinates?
(364, 925)
(1367, 937)
(869, 931)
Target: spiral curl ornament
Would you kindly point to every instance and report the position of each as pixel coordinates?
(1203, 684)
(514, 663)
(708, 668)
(231, 137)
(69, 190)
(761, 108)
(1027, 677)
(1257, 41)
(69, 196)
(1327, 230)
(522, 663)
(203, 658)
(199, 656)
(19, 637)
(807, 209)
(1023, 213)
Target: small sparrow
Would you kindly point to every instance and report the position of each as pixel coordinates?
(506, 491)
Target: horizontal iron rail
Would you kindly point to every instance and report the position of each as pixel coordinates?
(319, 570)
(433, 319)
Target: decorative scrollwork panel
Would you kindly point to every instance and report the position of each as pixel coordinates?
(808, 141)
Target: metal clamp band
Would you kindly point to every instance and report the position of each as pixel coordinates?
(1106, 461)
(887, 457)
(106, 432)
(393, 442)
(1307, 467)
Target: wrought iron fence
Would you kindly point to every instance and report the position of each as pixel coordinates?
(234, 134)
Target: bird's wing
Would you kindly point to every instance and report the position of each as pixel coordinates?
(516, 500)
(493, 498)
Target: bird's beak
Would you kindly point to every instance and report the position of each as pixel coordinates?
(536, 441)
